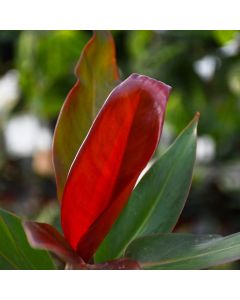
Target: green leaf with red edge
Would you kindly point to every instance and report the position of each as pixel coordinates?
(15, 251)
(120, 143)
(157, 201)
(180, 251)
(97, 74)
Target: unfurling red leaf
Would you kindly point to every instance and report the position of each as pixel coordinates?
(158, 198)
(120, 143)
(44, 236)
(97, 74)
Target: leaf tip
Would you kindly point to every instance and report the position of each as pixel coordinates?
(197, 116)
(194, 122)
(155, 87)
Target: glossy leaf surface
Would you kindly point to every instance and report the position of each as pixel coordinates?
(15, 251)
(117, 148)
(97, 74)
(44, 236)
(177, 251)
(157, 201)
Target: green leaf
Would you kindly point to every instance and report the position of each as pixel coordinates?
(97, 74)
(15, 251)
(176, 251)
(4, 264)
(158, 199)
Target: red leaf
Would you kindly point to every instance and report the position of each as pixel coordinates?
(120, 143)
(44, 236)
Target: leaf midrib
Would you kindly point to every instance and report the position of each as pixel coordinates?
(182, 259)
(146, 219)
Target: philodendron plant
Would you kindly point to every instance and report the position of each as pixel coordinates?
(110, 219)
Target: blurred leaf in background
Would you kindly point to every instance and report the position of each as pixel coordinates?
(46, 60)
(203, 68)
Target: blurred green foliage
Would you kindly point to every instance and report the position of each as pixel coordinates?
(170, 56)
(46, 60)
